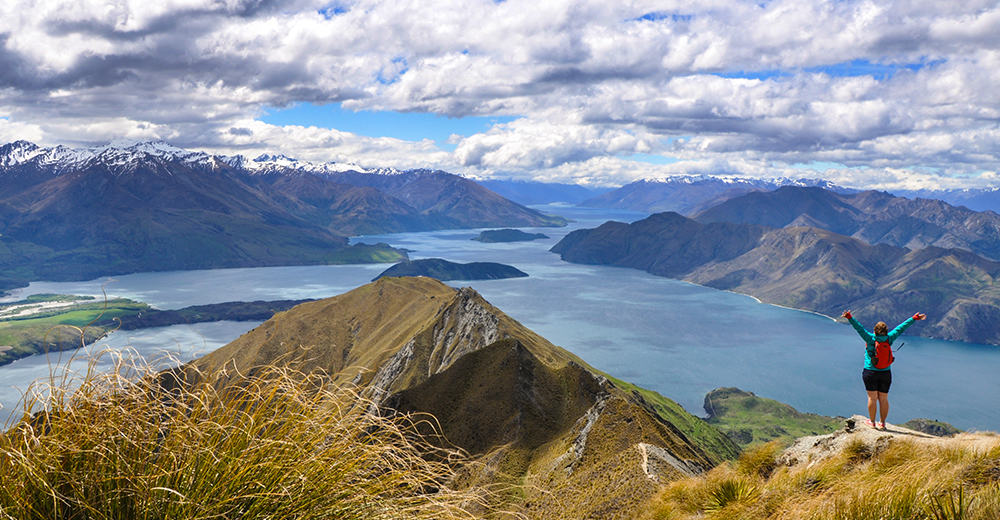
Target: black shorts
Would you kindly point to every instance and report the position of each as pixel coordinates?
(877, 380)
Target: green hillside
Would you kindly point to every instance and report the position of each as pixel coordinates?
(750, 420)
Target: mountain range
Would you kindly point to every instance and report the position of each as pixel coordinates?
(807, 268)
(690, 194)
(80, 213)
(575, 443)
(872, 216)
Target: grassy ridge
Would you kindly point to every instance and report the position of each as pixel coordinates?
(750, 420)
(709, 437)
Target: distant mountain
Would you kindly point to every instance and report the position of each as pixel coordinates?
(530, 192)
(872, 216)
(978, 199)
(689, 194)
(147, 206)
(446, 271)
(508, 235)
(119, 210)
(807, 268)
(573, 443)
(448, 200)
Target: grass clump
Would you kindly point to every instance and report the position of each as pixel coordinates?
(277, 444)
(760, 461)
(731, 491)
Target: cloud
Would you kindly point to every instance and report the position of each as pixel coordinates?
(323, 144)
(745, 86)
(531, 144)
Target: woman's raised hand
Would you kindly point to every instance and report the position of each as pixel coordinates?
(846, 315)
(919, 316)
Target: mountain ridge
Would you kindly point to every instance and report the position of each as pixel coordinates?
(530, 413)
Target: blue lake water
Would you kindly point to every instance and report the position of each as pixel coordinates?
(679, 339)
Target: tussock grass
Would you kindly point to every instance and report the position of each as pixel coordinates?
(950, 479)
(278, 444)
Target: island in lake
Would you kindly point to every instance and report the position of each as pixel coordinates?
(444, 270)
(508, 235)
(54, 322)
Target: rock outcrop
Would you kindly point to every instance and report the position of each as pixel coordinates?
(867, 441)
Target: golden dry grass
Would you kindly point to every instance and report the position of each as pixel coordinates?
(275, 445)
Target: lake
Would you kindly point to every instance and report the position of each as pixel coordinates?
(677, 338)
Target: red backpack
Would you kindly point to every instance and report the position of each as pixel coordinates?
(883, 354)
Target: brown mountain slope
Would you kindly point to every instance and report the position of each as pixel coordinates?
(528, 412)
(807, 268)
(450, 201)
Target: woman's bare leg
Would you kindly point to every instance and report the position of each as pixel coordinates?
(872, 404)
(883, 405)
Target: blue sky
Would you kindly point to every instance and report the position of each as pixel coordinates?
(410, 126)
(853, 68)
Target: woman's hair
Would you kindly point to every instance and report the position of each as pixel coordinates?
(881, 329)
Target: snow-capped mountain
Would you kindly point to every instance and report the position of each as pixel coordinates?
(124, 156)
(78, 213)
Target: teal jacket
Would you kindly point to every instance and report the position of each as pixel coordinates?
(871, 338)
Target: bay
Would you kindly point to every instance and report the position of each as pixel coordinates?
(677, 338)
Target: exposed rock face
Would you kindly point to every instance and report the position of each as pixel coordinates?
(527, 411)
(807, 268)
